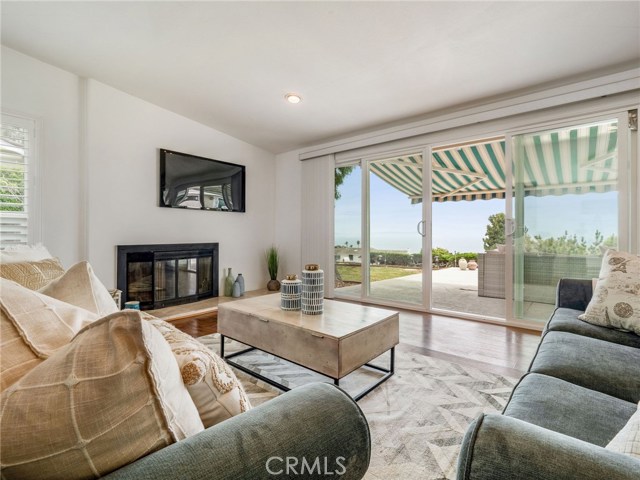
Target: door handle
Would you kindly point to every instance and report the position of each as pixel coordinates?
(423, 223)
(509, 227)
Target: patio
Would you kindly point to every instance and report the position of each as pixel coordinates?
(454, 290)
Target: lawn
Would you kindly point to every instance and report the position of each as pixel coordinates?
(351, 273)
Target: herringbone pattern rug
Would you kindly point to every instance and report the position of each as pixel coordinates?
(417, 418)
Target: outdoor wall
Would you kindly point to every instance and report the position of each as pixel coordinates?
(51, 96)
(100, 189)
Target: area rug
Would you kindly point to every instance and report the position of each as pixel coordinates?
(417, 418)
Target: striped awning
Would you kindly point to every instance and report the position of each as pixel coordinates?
(578, 160)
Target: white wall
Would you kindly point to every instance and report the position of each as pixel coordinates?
(125, 134)
(288, 211)
(120, 156)
(50, 95)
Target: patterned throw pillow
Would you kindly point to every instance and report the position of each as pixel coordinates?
(111, 396)
(211, 383)
(33, 275)
(627, 440)
(616, 298)
(32, 327)
(81, 287)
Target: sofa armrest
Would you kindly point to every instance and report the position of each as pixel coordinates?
(307, 432)
(574, 293)
(498, 447)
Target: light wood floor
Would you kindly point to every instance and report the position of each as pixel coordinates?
(502, 350)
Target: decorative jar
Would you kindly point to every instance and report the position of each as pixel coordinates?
(312, 301)
(291, 293)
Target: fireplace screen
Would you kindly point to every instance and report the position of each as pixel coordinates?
(164, 275)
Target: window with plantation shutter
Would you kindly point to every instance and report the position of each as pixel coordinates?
(17, 180)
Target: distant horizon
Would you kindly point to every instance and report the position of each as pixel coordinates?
(460, 226)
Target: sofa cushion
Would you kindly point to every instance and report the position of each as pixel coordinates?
(111, 396)
(213, 386)
(566, 320)
(33, 275)
(574, 293)
(32, 327)
(569, 409)
(627, 441)
(616, 298)
(81, 287)
(602, 366)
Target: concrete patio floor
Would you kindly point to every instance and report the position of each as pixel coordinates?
(453, 289)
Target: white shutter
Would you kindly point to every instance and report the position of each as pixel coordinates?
(16, 179)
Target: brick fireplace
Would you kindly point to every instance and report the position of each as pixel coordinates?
(168, 274)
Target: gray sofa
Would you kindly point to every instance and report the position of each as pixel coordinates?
(582, 387)
(313, 421)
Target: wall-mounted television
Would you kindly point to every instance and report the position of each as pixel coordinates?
(189, 181)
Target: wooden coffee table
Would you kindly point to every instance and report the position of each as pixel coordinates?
(344, 338)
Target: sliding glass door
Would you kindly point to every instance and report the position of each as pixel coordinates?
(505, 217)
(379, 230)
(569, 204)
(348, 247)
(467, 216)
(395, 230)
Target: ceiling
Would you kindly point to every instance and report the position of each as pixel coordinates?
(357, 65)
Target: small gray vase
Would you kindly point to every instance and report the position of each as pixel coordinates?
(236, 290)
(240, 280)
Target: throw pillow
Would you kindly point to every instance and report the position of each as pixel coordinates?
(627, 440)
(24, 253)
(32, 327)
(213, 386)
(33, 275)
(81, 287)
(616, 298)
(111, 396)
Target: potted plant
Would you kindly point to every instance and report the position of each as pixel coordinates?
(273, 259)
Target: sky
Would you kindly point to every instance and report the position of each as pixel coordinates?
(460, 226)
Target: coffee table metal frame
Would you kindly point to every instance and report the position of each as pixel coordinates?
(388, 372)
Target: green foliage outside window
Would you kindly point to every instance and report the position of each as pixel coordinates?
(340, 174)
(12, 184)
(495, 232)
(563, 245)
(569, 244)
(12, 175)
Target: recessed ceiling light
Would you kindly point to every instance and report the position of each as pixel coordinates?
(293, 98)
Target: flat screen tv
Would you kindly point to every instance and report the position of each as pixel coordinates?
(188, 181)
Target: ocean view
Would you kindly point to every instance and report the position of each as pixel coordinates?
(460, 226)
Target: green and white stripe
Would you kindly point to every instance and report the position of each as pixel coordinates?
(578, 160)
